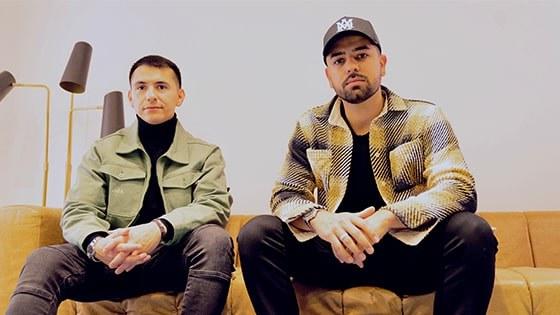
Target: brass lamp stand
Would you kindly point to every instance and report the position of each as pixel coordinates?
(7, 83)
(74, 81)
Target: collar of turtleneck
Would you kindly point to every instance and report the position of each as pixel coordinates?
(156, 139)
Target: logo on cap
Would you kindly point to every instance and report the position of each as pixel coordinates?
(344, 25)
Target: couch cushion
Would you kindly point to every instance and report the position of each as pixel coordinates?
(238, 301)
(166, 303)
(67, 307)
(510, 297)
(153, 303)
(418, 304)
(511, 294)
(370, 300)
(544, 286)
(514, 247)
(544, 230)
(353, 301)
(318, 301)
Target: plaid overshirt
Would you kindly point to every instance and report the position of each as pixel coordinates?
(416, 161)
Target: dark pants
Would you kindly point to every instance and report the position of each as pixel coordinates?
(200, 265)
(456, 260)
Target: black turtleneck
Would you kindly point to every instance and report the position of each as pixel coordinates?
(156, 140)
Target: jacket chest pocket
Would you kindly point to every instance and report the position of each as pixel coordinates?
(407, 165)
(125, 189)
(178, 189)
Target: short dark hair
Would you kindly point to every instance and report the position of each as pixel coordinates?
(158, 62)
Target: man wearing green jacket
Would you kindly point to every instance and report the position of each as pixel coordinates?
(146, 213)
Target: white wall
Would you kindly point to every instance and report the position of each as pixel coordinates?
(252, 67)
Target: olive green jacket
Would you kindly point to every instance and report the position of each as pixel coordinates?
(113, 178)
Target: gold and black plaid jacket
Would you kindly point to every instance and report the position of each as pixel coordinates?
(418, 166)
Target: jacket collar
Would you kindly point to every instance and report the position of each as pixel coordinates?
(177, 151)
(393, 102)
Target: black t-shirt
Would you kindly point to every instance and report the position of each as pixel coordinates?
(361, 190)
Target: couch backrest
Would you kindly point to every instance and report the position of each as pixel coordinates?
(544, 232)
(528, 238)
(511, 230)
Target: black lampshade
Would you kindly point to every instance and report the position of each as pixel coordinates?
(113, 116)
(75, 75)
(7, 81)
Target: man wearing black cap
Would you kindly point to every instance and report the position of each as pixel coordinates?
(382, 182)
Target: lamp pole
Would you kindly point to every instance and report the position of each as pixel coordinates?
(73, 109)
(68, 178)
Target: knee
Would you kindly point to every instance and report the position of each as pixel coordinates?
(44, 260)
(473, 231)
(213, 239)
(209, 250)
(253, 234)
(42, 274)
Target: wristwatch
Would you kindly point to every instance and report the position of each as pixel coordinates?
(310, 215)
(90, 249)
(162, 229)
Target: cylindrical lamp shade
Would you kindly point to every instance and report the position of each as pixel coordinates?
(75, 75)
(113, 116)
(7, 81)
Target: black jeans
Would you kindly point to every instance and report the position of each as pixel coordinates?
(200, 265)
(456, 260)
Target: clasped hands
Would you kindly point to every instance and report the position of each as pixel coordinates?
(125, 248)
(352, 235)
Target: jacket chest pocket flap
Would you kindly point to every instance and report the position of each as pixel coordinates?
(178, 189)
(320, 162)
(126, 186)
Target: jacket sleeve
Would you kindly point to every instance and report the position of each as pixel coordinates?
(450, 187)
(85, 206)
(211, 199)
(293, 192)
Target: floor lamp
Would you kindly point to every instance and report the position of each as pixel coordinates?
(7, 83)
(113, 113)
(74, 81)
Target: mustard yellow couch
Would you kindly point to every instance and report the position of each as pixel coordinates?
(527, 275)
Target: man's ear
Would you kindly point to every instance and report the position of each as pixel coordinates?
(328, 77)
(130, 98)
(382, 63)
(182, 97)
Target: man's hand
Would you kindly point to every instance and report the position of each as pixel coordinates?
(146, 237)
(380, 223)
(347, 233)
(114, 250)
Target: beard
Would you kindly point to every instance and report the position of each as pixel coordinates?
(357, 94)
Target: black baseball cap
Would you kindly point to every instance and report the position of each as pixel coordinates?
(346, 26)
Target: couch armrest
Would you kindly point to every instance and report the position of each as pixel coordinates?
(23, 228)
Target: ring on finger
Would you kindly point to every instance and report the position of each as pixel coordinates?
(344, 236)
